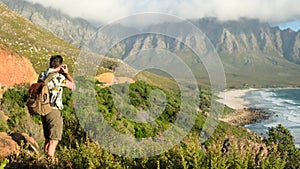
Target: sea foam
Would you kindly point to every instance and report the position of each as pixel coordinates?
(285, 105)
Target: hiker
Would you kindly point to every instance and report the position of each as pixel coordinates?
(53, 122)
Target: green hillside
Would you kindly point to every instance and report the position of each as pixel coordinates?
(22, 37)
(260, 70)
(78, 150)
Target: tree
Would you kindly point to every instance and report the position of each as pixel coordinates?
(282, 137)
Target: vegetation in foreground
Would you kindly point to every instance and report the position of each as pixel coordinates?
(229, 147)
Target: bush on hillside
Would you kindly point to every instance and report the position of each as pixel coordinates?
(77, 150)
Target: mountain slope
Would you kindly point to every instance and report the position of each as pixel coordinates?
(20, 38)
(75, 31)
(253, 53)
(25, 39)
(232, 37)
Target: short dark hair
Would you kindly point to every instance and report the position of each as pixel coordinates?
(56, 61)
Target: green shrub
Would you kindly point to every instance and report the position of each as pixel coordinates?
(282, 137)
(13, 104)
(3, 163)
(76, 150)
(88, 155)
(3, 126)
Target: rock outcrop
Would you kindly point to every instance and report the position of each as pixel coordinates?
(109, 79)
(16, 69)
(246, 116)
(10, 144)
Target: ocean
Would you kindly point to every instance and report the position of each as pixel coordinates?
(285, 105)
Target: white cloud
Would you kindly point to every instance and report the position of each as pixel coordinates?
(102, 11)
(108, 11)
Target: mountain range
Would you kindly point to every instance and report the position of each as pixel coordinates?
(253, 53)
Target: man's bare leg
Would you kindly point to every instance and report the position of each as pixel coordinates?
(46, 145)
(51, 147)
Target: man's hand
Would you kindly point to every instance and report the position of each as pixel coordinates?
(70, 82)
(64, 68)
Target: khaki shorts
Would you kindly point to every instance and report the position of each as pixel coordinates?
(53, 125)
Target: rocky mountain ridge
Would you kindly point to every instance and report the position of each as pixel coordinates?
(231, 37)
(251, 51)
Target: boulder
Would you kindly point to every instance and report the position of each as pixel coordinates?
(10, 144)
(25, 139)
(7, 145)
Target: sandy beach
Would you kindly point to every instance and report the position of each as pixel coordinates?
(232, 98)
(243, 114)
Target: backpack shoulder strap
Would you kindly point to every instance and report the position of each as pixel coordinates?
(50, 77)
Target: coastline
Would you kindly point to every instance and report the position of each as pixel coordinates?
(233, 98)
(243, 114)
(246, 116)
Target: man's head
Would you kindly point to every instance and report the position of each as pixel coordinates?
(55, 61)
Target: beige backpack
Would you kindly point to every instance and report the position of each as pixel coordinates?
(38, 101)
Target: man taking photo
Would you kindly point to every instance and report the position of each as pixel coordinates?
(53, 122)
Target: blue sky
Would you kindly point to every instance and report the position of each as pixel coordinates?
(275, 12)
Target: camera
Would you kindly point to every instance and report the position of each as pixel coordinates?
(62, 69)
